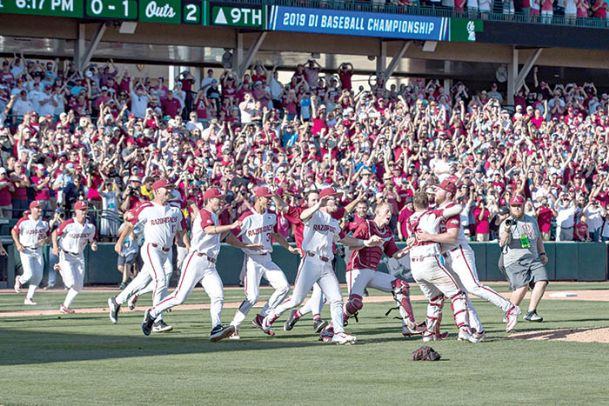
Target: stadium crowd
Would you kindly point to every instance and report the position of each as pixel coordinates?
(543, 11)
(104, 136)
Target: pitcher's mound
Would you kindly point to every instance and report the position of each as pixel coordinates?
(590, 335)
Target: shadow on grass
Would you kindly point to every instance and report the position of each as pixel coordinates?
(47, 347)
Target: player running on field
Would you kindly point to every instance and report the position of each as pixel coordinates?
(258, 227)
(320, 233)
(316, 301)
(161, 223)
(30, 234)
(200, 266)
(69, 242)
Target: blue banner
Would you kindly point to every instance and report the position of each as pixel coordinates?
(337, 22)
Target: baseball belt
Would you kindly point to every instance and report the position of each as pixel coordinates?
(210, 259)
(312, 254)
(164, 249)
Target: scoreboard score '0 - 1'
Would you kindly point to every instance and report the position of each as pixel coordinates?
(154, 11)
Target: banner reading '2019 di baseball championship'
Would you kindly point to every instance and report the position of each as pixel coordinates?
(338, 22)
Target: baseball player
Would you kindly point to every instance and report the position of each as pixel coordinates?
(30, 234)
(69, 242)
(362, 270)
(161, 224)
(461, 260)
(434, 280)
(316, 301)
(320, 233)
(136, 290)
(200, 266)
(258, 227)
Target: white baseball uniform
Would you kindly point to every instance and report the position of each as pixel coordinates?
(73, 238)
(434, 280)
(461, 260)
(320, 233)
(199, 266)
(32, 234)
(138, 290)
(160, 223)
(257, 228)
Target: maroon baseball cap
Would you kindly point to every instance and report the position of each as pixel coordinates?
(81, 205)
(263, 191)
(448, 186)
(517, 200)
(162, 183)
(327, 192)
(212, 193)
(35, 204)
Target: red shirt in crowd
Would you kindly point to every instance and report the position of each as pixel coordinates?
(171, 107)
(482, 226)
(403, 221)
(544, 219)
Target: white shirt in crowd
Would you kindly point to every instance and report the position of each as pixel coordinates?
(139, 104)
(566, 216)
(594, 217)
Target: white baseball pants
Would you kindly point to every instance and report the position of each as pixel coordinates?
(436, 282)
(197, 268)
(256, 267)
(462, 261)
(313, 269)
(72, 271)
(32, 263)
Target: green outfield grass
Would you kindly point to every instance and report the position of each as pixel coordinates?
(84, 360)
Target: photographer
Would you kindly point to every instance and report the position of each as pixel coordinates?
(131, 196)
(523, 257)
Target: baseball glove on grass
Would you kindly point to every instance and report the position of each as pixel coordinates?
(425, 353)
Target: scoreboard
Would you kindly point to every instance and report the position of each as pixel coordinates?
(114, 9)
(154, 11)
(54, 8)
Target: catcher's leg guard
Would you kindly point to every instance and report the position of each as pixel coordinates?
(353, 305)
(434, 314)
(401, 294)
(458, 304)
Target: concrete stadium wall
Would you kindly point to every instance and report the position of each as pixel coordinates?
(567, 261)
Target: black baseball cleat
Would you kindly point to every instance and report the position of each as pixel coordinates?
(147, 323)
(291, 322)
(114, 309)
(533, 316)
(319, 325)
(220, 332)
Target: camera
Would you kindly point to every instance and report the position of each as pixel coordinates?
(510, 222)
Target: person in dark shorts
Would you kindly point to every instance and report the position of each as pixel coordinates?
(523, 257)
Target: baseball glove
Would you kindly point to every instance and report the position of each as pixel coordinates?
(425, 353)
